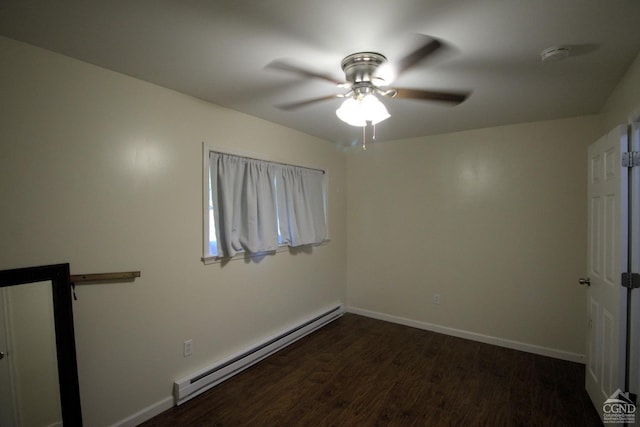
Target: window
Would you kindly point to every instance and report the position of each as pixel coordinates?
(211, 239)
(254, 206)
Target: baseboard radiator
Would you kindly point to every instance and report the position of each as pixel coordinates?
(201, 381)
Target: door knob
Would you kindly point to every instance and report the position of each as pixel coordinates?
(584, 281)
(1, 355)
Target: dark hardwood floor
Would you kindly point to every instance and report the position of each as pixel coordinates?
(359, 371)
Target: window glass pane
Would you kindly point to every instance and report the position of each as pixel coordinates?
(213, 241)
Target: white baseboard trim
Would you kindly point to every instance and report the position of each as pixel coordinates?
(146, 414)
(515, 345)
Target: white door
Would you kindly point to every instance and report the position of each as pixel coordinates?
(606, 298)
(634, 257)
(7, 413)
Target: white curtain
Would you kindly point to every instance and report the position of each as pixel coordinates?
(301, 206)
(244, 206)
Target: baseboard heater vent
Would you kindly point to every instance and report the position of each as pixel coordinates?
(201, 381)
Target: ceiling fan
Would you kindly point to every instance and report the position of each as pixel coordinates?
(369, 75)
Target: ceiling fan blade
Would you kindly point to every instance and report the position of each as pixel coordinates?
(430, 46)
(286, 66)
(294, 105)
(387, 73)
(430, 95)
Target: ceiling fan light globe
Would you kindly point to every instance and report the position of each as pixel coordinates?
(357, 112)
(374, 111)
(351, 113)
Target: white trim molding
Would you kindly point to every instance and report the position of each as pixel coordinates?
(146, 413)
(487, 339)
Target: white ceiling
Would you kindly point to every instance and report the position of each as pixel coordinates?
(217, 50)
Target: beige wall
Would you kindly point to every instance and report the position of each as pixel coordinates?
(625, 99)
(492, 220)
(104, 171)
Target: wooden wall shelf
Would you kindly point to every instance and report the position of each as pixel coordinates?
(104, 277)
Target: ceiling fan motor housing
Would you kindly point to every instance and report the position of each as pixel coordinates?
(359, 67)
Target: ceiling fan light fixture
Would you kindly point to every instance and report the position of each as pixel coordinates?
(359, 111)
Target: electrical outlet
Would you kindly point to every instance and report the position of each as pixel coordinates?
(187, 348)
(436, 299)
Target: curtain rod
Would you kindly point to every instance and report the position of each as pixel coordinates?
(269, 161)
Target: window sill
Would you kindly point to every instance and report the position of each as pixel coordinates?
(259, 256)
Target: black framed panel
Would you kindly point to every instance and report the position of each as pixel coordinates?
(59, 276)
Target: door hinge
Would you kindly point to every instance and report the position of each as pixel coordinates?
(630, 159)
(631, 280)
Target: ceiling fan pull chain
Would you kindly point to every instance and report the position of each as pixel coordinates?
(364, 138)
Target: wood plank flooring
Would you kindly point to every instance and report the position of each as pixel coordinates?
(359, 371)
